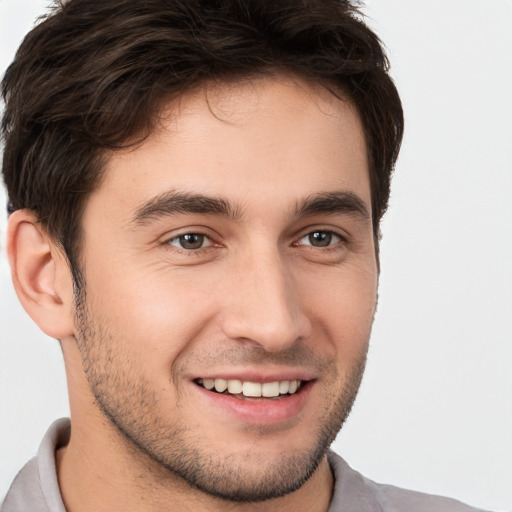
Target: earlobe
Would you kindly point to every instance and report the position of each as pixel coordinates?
(40, 274)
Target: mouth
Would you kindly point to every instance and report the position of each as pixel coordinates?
(252, 391)
(257, 400)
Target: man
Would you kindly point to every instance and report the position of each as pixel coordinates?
(195, 192)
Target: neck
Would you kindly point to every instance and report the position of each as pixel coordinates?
(122, 483)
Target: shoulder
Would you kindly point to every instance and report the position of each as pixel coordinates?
(36, 487)
(25, 492)
(355, 493)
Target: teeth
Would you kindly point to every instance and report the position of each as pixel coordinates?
(252, 389)
(284, 387)
(221, 385)
(270, 389)
(209, 383)
(235, 386)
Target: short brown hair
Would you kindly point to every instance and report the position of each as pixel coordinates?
(92, 74)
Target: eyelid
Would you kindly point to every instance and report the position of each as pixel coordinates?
(177, 237)
(189, 230)
(336, 238)
(339, 233)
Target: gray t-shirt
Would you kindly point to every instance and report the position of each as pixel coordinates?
(36, 488)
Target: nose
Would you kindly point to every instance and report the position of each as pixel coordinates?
(263, 304)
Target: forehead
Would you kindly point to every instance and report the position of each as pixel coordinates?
(263, 140)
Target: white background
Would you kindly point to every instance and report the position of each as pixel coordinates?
(435, 408)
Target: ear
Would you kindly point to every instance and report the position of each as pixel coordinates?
(40, 274)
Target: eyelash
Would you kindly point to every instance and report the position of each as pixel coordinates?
(191, 233)
(325, 232)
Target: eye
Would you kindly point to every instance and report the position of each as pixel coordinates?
(320, 239)
(190, 241)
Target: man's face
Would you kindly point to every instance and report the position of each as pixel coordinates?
(234, 247)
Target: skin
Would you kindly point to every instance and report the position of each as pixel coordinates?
(259, 300)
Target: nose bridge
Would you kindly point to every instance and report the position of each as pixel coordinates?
(265, 305)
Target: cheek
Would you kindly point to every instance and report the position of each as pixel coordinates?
(156, 315)
(343, 307)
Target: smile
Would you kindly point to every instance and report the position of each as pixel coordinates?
(245, 389)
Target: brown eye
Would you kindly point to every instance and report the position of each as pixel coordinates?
(190, 241)
(320, 239)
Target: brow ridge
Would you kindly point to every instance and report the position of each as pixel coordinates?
(174, 203)
(337, 202)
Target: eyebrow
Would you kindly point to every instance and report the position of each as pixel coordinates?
(173, 203)
(331, 203)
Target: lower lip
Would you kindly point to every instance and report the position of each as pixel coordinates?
(259, 412)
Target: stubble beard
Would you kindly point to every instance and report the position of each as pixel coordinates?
(127, 400)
